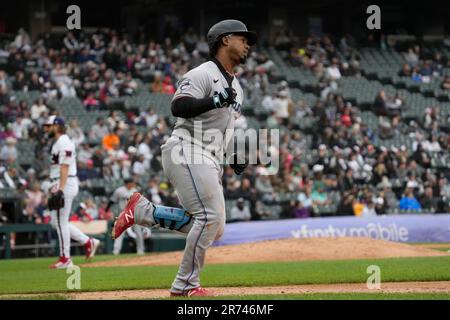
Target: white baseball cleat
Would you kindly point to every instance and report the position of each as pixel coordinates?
(62, 263)
(91, 247)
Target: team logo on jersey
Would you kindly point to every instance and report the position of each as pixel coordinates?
(55, 158)
(185, 84)
(68, 153)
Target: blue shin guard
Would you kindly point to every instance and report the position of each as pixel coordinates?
(171, 218)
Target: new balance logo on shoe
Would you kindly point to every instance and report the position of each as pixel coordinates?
(128, 215)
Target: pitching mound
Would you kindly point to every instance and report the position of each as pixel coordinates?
(287, 250)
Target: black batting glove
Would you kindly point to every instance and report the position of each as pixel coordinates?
(236, 166)
(225, 98)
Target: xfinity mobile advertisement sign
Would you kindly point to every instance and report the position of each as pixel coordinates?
(400, 228)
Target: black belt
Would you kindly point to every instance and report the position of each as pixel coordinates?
(54, 179)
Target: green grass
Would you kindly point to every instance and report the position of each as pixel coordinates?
(33, 276)
(39, 297)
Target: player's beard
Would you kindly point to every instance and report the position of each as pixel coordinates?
(244, 58)
(50, 135)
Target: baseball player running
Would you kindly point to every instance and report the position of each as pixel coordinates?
(63, 175)
(207, 100)
(121, 196)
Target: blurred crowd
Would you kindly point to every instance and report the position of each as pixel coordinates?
(340, 166)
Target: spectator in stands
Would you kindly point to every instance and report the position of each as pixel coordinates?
(408, 201)
(157, 84)
(303, 207)
(421, 157)
(345, 206)
(19, 83)
(346, 180)
(346, 117)
(444, 187)
(446, 83)
(333, 73)
(384, 105)
(202, 47)
(240, 212)
(412, 57)
(103, 213)
(70, 42)
(369, 209)
(426, 71)
(264, 187)
(432, 144)
(82, 213)
(282, 104)
(76, 133)
(98, 130)
(91, 102)
(20, 127)
(431, 116)
(8, 152)
(38, 109)
(406, 71)
(148, 118)
(34, 196)
(84, 153)
(114, 119)
(35, 83)
(30, 215)
(153, 191)
(428, 201)
(190, 39)
(4, 96)
(111, 141)
(167, 86)
(91, 209)
(139, 167)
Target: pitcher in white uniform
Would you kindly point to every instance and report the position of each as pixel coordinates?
(206, 103)
(120, 196)
(63, 175)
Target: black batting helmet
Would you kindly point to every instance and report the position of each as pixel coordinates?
(226, 27)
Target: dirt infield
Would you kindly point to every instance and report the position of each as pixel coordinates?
(387, 287)
(287, 250)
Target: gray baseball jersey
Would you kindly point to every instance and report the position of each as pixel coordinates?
(198, 185)
(202, 82)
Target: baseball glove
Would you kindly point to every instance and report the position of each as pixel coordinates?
(56, 200)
